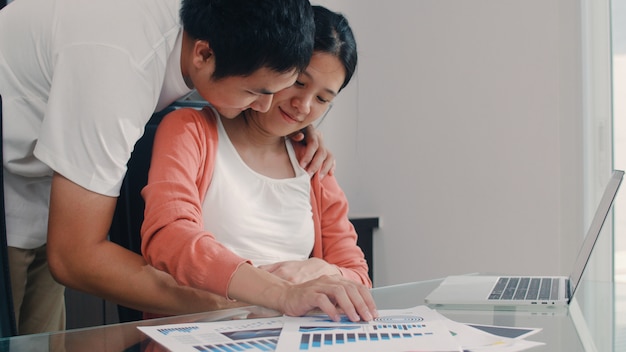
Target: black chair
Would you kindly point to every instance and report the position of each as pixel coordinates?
(128, 217)
(7, 316)
(364, 228)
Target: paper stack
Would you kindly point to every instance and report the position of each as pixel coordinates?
(414, 329)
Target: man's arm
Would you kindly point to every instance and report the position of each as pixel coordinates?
(81, 257)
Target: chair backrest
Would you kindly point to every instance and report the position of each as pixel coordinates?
(128, 216)
(7, 316)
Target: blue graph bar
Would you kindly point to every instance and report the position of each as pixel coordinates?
(304, 342)
(270, 343)
(260, 346)
(223, 348)
(339, 339)
(317, 339)
(235, 346)
(328, 339)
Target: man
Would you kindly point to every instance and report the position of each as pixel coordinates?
(79, 80)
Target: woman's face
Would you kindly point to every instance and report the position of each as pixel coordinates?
(308, 99)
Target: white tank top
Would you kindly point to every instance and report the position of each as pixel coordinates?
(259, 218)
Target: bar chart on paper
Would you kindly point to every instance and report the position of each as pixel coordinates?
(413, 329)
(314, 338)
(238, 335)
(407, 330)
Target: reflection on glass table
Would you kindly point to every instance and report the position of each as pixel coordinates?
(562, 330)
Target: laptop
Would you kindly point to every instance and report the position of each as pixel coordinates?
(528, 291)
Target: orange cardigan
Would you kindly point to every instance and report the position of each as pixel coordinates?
(173, 235)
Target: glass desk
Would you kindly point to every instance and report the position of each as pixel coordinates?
(595, 321)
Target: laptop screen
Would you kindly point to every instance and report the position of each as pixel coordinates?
(595, 228)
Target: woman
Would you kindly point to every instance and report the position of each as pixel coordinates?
(230, 211)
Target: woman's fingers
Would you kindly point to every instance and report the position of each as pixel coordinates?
(332, 295)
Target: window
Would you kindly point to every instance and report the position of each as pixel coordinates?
(618, 31)
(618, 9)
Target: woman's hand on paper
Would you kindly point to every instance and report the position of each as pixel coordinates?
(333, 295)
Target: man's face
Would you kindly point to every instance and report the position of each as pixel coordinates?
(234, 94)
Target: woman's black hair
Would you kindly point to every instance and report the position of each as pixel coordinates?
(334, 36)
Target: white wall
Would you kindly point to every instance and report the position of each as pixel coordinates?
(463, 132)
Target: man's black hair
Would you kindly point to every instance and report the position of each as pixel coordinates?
(247, 35)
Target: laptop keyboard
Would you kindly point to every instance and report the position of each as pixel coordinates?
(525, 288)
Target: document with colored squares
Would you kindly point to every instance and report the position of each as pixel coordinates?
(414, 329)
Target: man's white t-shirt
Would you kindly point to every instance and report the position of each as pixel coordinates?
(79, 80)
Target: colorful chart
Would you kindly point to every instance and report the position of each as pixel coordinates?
(251, 345)
(249, 335)
(418, 328)
(316, 337)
